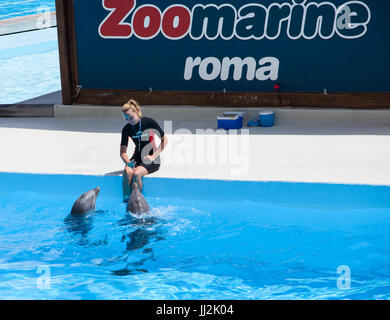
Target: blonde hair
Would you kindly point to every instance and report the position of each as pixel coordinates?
(132, 105)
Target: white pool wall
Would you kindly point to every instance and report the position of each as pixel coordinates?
(330, 146)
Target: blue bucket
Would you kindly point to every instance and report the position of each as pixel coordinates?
(267, 118)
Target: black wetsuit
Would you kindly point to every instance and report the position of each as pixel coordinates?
(142, 137)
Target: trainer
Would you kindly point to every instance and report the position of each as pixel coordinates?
(146, 157)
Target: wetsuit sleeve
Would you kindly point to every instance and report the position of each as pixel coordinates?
(155, 125)
(125, 137)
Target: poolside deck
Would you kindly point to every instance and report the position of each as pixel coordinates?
(332, 146)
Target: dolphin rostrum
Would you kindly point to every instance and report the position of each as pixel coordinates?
(86, 202)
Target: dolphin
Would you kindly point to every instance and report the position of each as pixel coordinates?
(137, 203)
(86, 202)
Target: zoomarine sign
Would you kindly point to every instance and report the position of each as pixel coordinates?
(306, 46)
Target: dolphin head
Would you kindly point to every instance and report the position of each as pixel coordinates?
(137, 203)
(86, 202)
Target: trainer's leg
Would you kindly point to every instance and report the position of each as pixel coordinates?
(139, 172)
(126, 182)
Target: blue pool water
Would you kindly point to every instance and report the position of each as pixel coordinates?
(17, 8)
(204, 240)
(29, 65)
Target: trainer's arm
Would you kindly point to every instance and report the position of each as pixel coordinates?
(123, 154)
(163, 144)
